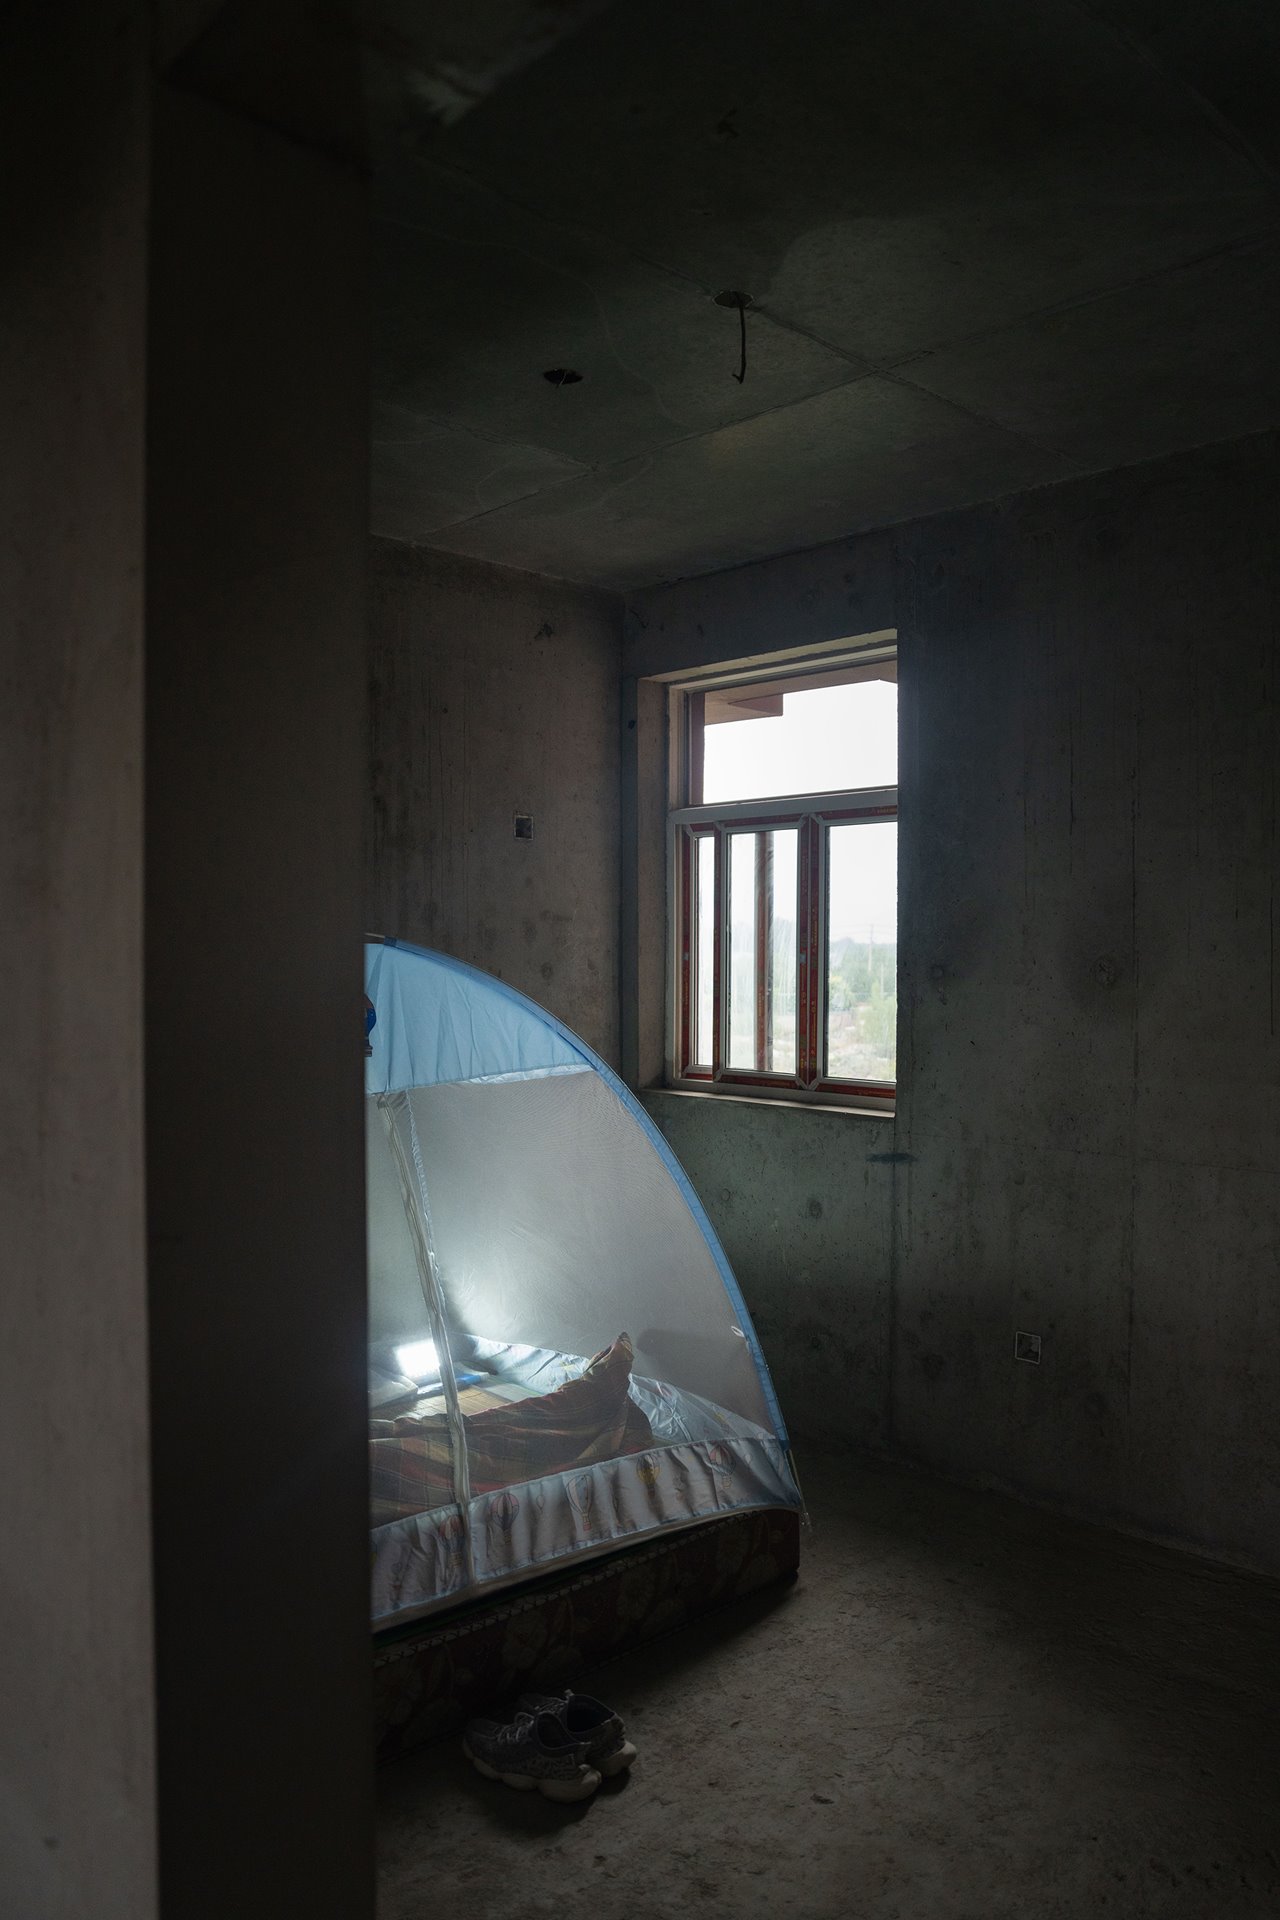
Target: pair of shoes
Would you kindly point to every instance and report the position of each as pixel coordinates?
(562, 1745)
(598, 1727)
(533, 1750)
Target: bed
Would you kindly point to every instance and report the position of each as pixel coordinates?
(542, 1508)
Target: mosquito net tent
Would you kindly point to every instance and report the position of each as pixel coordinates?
(560, 1361)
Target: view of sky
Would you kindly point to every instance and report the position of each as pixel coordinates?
(825, 740)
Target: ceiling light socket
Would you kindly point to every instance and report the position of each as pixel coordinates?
(732, 298)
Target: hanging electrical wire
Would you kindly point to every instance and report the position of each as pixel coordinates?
(732, 298)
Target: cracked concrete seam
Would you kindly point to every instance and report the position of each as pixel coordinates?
(887, 368)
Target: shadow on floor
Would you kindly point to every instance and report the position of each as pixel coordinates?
(967, 1709)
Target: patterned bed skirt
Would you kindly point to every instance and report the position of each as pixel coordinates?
(430, 1678)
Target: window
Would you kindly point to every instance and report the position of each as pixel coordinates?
(784, 870)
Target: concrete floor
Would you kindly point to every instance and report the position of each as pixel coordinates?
(964, 1708)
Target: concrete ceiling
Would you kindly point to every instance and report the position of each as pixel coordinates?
(989, 244)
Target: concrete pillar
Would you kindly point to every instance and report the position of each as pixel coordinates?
(257, 454)
(77, 1830)
(642, 970)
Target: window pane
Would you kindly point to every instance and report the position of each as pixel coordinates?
(762, 951)
(742, 950)
(822, 741)
(704, 948)
(782, 1027)
(862, 951)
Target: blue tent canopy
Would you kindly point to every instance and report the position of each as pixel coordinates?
(525, 1213)
(440, 1022)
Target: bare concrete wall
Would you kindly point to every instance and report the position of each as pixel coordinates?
(1089, 1124)
(493, 693)
(255, 728)
(77, 1828)
(801, 1201)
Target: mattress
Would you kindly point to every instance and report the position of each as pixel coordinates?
(548, 1633)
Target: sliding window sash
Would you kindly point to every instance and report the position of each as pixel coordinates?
(810, 815)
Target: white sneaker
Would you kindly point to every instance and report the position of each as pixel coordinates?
(533, 1750)
(596, 1727)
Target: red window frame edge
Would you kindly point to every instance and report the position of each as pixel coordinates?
(809, 1082)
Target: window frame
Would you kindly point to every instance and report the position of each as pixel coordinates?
(811, 815)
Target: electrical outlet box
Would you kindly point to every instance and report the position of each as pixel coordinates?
(524, 826)
(1026, 1346)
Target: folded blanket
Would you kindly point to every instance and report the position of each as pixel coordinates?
(588, 1419)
